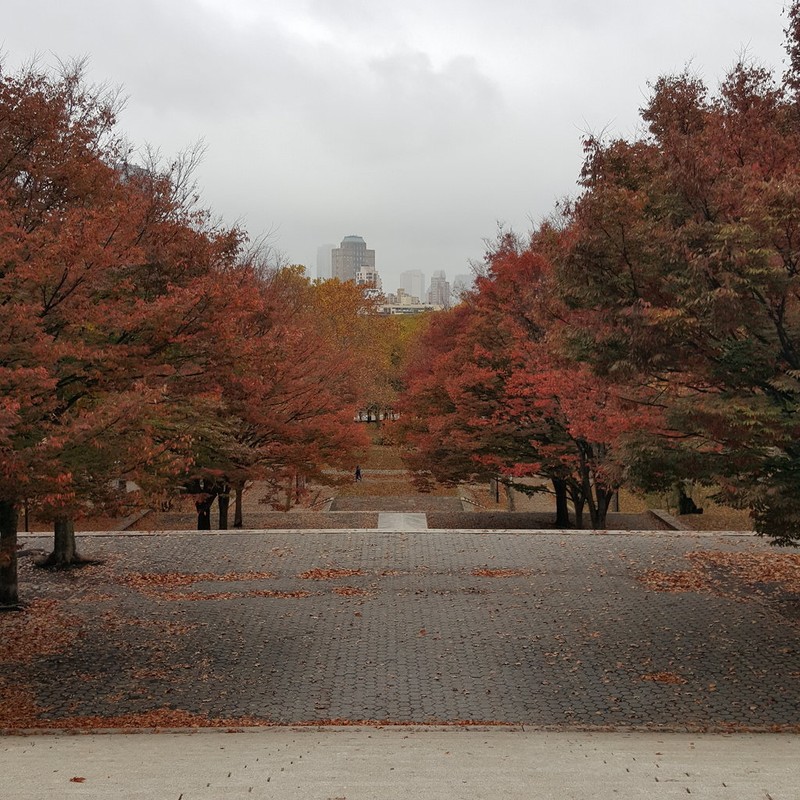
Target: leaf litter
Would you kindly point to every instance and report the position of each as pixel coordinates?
(484, 572)
(712, 571)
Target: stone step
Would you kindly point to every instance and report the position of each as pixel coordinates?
(399, 521)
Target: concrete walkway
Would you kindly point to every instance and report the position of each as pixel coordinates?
(400, 763)
(399, 521)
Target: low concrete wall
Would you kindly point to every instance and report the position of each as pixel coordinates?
(672, 523)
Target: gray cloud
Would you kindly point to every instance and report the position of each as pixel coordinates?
(417, 125)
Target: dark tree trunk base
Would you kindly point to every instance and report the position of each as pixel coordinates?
(9, 594)
(223, 502)
(53, 562)
(65, 552)
(562, 509)
(204, 514)
(237, 506)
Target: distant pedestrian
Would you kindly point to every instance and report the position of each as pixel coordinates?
(358, 474)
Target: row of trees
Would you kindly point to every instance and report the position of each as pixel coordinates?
(650, 332)
(141, 340)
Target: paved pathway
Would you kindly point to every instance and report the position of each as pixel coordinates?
(398, 521)
(396, 764)
(551, 630)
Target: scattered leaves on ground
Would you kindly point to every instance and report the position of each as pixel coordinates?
(40, 629)
(752, 570)
(18, 708)
(664, 677)
(328, 574)
(26, 715)
(171, 580)
(484, 572)
(112, 621)
(350, 591)
(233, 595)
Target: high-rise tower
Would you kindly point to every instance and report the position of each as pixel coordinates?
(350, 257)
(324, 260)
(413, 281)
(439, 292)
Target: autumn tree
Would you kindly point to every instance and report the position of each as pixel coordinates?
(685, 243)
(348, 319)
(582, 425)
(493, 391)
(668, 344)
(438, 436)
(52, 132)
(109, 275)
(287, 392)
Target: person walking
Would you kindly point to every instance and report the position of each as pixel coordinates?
(358, 474)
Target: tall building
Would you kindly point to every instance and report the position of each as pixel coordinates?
(413, 281)
(461, 284)
(439, 292)
(350, 257)
(369, 277)
(324, 260)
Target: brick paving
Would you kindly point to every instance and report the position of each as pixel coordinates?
(561, 642)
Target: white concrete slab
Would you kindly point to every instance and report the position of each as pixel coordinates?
(401, 521)
(400, 763)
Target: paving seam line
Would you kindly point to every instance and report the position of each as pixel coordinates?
(429, 531)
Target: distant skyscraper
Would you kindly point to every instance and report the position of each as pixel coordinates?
(439, 293)
(350, 257)
(461, 284)
(324, 260)
(413, 281)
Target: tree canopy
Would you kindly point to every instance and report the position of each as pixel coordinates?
(650, 331)
(139, 339)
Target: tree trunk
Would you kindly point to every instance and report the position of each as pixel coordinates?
(511, 504)
(599, 508)
(204, 512)
(578, 503)
(585, 473)
(223, 501)
(64, 549)
(9, 596)
(562, 509)
(288, 505)
(237, 505)
(579, 513)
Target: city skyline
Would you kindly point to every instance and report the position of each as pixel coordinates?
(321, 119)
(352, 260)
(413, 281)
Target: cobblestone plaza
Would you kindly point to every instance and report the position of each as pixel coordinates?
(552, 630)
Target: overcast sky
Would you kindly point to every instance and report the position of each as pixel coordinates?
(416, 124)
